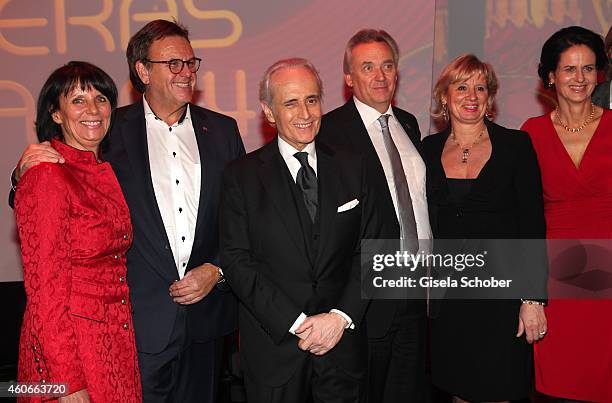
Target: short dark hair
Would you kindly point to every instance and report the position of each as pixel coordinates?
(564, 39)
(368, 36)
(608, 48)
(608, 41)
(60, 83)
(140, 43)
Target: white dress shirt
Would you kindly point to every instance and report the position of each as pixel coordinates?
(174, 159)
(287, 151)
(413, 165)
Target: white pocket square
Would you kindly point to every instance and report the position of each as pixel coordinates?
(347, 206)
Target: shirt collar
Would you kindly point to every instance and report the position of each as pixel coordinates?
(149, 113)
(369, 115)
(287, 151)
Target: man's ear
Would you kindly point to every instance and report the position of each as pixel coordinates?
(143, 72)
(268, 112)
(348, 79)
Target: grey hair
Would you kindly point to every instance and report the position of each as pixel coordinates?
(265, 95)
(368, 36)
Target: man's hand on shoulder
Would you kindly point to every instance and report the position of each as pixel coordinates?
(34, 154)
(196, 284)
(326, 330)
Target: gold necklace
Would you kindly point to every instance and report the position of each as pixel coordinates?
(465, 150)
(579, 128)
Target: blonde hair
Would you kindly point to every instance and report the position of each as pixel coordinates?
(459, 70)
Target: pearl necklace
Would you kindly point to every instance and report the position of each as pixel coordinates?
(465, 150)
(575, 129)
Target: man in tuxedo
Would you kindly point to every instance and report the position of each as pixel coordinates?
(396, 172)
(168, 155)
(291, 220)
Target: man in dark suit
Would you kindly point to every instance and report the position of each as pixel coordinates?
(396, 329)
(168, 155)
(291, 220)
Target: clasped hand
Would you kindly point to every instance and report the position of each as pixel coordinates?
(320, 333)
(195, 285)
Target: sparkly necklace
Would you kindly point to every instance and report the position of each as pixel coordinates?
(575, 129)
(465, 150)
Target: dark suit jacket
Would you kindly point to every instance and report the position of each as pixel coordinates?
(151, 267)
(267, 264)
(506, 197)
(344, 127)
(504, 202)
(601, 95)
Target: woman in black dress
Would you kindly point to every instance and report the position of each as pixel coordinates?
(483, 183)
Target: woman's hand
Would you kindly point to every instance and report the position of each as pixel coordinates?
(77, 397)
(532, 322)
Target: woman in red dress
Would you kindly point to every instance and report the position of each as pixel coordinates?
(574, 149)
(74, 227)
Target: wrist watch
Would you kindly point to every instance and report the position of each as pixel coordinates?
(221, 276)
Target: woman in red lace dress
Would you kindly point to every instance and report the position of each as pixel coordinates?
(574, 149)
(74, 227)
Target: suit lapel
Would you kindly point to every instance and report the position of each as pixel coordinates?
(273, 175)
(329, 184)
(413, 135)
(134, 136)
(357, 132)
(207, 159)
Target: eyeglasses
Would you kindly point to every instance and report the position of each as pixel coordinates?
(176, 65)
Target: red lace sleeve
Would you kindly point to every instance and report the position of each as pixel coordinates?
(42, 210)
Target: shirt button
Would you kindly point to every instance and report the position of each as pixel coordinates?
(126, 326)
(123, 302)
(40, 370)
(34, 348)
(116, 256)
(36, 359)
(126, 237)
(122, 279)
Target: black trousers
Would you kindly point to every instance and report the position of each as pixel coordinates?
(318, 380)
(397, 361)
(185, 371)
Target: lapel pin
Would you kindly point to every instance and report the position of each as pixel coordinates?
(204, 129)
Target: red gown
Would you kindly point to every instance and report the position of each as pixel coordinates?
(74, 227)
(574, 360)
